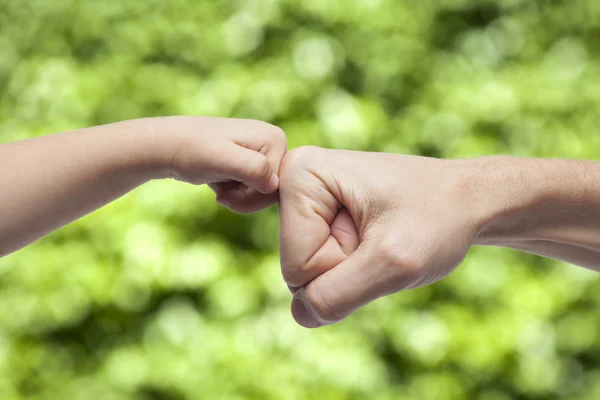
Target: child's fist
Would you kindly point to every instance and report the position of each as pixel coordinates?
(238, 158)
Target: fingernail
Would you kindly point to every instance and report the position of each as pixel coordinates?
(303, 316)
(273, 182)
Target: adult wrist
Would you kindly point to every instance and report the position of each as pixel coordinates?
(526, 199)
(509, 198)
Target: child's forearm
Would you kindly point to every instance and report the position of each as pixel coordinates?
(50, 181)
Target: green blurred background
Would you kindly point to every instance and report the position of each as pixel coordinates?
(165, 295)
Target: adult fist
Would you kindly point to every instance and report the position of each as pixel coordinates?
(356, 226)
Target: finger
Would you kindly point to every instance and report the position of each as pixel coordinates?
(266, 139)
(342, 241)
(307, 208)
(360, 279)
(251, 167)
(242, 199)
(345, 232)
(221, 187)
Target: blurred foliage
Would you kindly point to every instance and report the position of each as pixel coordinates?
(165, 295)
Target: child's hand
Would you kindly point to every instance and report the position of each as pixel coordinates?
(238, 158)
(49, 181)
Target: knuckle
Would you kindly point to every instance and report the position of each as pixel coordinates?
(402, 266)
(389, 252)
(278, 139)
(258, 124)
(277, 133)
(259, 167)
(298, 159)
(274, 131)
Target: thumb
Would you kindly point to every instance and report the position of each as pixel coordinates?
(250, 167)
(360, 279)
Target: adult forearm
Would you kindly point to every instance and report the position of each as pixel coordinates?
(545, 207)
(50, 181)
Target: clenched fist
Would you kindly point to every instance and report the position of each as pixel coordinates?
(238, 158)
(356, 226)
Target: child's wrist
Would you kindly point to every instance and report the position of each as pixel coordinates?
(157, 146)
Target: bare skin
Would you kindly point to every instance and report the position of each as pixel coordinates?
(357, 226)
(50, 181)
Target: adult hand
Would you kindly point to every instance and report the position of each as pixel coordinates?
(356, 226)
